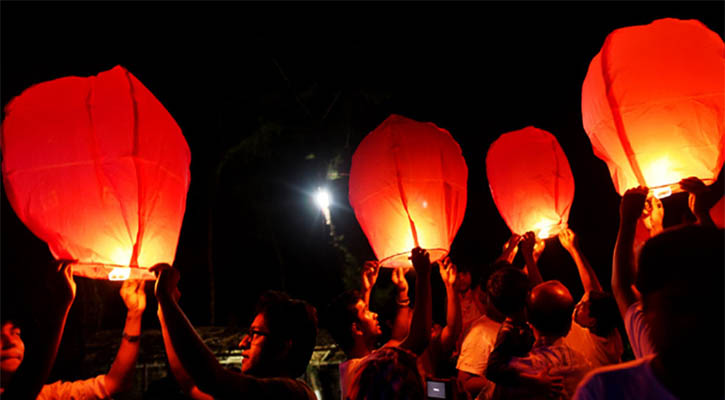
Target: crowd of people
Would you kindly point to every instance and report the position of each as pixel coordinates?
(508, 334)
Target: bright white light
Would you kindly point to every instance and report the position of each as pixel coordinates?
(322, 198)
(119, 274)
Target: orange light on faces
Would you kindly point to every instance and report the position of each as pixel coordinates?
(98, 169)
(653, 104)
(531, 182)
(408, 188)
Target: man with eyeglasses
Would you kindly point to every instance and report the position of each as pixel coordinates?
(275, 351)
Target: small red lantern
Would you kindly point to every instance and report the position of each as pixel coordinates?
(408, 188)
(652, 104)
(98, 169)
(530, 181)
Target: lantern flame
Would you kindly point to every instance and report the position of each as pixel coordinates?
(322, 198)
(119, 274)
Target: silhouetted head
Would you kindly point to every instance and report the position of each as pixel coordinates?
(389, 373)
(507, 289)
(550, 306)
(680, 278)
(348, 319)
(281, 338)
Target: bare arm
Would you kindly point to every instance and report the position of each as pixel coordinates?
(32, 373)
(528, 242)
(369, 277)
(420, 325)
(182, 377)
(472, 383)
(120, 376)
(570, 242)
(401, 324)
(454, 322)
(199, 362)
(623, 263)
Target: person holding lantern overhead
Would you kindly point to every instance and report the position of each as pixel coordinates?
(680, 281)
(24, 377)
(355, 328)
(593, 331)
(276, 349)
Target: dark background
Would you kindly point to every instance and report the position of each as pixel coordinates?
(273, 99)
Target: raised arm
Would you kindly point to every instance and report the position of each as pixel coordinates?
(195, 358)
(32, 373)
(702, 198)
(420, 325)
(623, 263)
(182, 377)
(510, 248)
(528, 250)
(454, 322)
(401, 324)
(120, 377)
(570, 242)
(369, 277)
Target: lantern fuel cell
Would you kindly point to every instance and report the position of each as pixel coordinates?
(408, 188)
(99, 170)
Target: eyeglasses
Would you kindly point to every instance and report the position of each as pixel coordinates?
(252, 333)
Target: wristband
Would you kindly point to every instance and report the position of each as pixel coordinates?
(131, 338)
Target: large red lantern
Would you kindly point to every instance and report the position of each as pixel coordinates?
(408, 188)
(530, 181)
(98, 169)
(652, 104)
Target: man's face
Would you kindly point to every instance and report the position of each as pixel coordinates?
(13, 349)
(367, 320)
(255, 346)
(463, 281)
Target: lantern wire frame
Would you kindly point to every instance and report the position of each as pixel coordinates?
(115, 272)
(663, 191)
(401, 260)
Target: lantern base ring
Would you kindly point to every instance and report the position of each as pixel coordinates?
(111, 272)
(666, 190)
(400, 260)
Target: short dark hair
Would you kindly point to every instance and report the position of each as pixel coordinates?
(603, 308)
(339, 316)
(551, 318)
(507, 289)
(388, 373)
(684, 254)
(291, 320)
(484, 274)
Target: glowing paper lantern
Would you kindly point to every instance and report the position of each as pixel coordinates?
(530, 181)
(408, 188)
(98, 169)
(652, 104)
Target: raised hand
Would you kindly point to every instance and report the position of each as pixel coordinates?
(448, 271)
(398, 278)
(421, 260)
(527, 243)
(653, 214)
(510, 248)
(632, 204)
(701, 199)
(370, 274)
(569, 240)
(167, 280)
(132, 292)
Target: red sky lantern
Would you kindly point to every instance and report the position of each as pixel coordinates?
(98, 169)
(408, 188)
(652, 104)
(530, 181)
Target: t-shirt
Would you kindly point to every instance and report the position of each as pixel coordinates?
(93, 388)
(638, 331)
(630, 380)
(347, 374)
(598, 350)
(477, 345)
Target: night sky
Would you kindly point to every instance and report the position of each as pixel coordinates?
(273, 96)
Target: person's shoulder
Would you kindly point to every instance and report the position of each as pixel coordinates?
(287, 388)
(618, 372)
